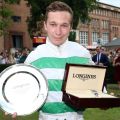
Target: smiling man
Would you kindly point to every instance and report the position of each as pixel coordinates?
(52, 57)
(58, 27)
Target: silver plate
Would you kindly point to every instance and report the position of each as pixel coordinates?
(23, 89)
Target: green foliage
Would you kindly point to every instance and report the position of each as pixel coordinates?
(5, 12)
(5, 15)
(81, 9)
(72, 36)
(11, 1)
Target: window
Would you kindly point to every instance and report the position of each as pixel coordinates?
(94, 37)
(17, 41)
(95, 23)
(16, 18)
(105, 24)
(105, 37)
(83, 38)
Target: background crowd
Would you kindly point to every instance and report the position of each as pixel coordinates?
(14, 56)
(105, 58)
(108, 58)
(19, 55)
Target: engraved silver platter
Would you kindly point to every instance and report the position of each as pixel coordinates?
(23, 89)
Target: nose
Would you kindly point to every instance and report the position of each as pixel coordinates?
(58, 30)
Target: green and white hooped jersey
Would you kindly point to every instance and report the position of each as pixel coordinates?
(51, 61)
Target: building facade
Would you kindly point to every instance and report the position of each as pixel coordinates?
(18, 36)
(103, 28)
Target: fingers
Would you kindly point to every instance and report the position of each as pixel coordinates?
(14, 116)
(6, 113)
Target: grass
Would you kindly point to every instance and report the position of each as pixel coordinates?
(113, 88)
(89, 113)
(33, 116)
(99, 114)
(108, 114)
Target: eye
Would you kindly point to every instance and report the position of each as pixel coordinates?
(65, 25)
(53, 25)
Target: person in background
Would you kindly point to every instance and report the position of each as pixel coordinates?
(11, 56)
(1, 57)
(17, 55)
(100, 58)
(52, 57)
(24, 55)
(4, 57)
(116, 64)
(111, 56)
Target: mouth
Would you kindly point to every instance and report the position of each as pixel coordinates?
(57, 39)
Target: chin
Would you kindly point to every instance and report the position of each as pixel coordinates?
(57, 43)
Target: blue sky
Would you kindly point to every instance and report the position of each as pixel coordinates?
(111, 2)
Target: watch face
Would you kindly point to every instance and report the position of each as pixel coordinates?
(23, 89)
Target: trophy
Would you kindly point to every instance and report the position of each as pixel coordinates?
(23, 89)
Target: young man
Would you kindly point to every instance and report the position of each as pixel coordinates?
(52, 57)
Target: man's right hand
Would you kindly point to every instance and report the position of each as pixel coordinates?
(14, 116)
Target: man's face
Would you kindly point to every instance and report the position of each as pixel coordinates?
(58, 26)
(98, 49)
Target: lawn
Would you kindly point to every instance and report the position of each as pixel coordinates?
(89, 114)
(108, 114)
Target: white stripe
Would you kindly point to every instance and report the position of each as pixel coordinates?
(54, 96)
(69, 49)
(61, 116)
(51, 73)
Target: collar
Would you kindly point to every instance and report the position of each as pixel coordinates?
(48, 42)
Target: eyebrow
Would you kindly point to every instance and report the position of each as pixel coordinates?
(53, 22)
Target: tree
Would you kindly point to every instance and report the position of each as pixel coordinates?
(81, 9)
(72, 36)
(5, 15)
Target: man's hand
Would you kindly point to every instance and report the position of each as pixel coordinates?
(14, 116)
(101, 64)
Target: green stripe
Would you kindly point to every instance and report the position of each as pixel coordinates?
(54, 85)
(52, 62)
(56, 107)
